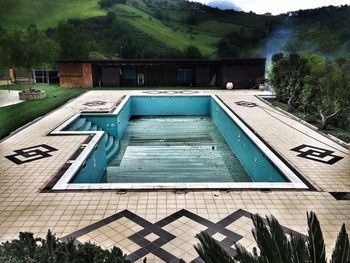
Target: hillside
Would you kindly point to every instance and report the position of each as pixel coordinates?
(45, 13)
(171, 28)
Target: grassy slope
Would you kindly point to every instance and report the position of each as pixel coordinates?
(45, 13)
(173, 33)
(14, 116)
(178, 39)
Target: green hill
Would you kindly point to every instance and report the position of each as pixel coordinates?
(45, 13)
(167, 28)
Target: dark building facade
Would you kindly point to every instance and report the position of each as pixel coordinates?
(243, 73)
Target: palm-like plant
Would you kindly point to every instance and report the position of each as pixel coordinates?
(276, 247)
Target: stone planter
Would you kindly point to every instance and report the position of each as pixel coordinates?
(34, 95)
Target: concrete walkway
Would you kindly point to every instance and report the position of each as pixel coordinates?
(9, 97)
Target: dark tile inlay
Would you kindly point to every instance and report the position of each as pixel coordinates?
(246, 103)
(30, 154)
(95, 103)
(341, 195)
(317, 154)
(164, 236)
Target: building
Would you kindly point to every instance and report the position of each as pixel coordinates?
(243, 73)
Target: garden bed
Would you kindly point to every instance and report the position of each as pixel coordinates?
(341, 134)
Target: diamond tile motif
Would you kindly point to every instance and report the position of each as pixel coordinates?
(113, 234)
(95, 103)
(244, 103)
(169, 239)
(151, 237)
(31, 154)
(219, 237)
(317, 154)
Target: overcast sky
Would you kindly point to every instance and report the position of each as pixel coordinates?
(280, 6)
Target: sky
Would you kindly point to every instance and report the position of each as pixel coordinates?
(280, 6)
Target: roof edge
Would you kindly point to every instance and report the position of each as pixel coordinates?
(158, 60)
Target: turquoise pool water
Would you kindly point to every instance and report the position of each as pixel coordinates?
(171, 139)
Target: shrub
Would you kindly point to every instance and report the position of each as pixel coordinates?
(37, 250)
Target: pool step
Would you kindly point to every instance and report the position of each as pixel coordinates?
(86, 126)
(77, 124)
(119, 175)
(156, 163)
(111, 143)
(111, 152)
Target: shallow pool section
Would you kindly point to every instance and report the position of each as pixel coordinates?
(167, 142)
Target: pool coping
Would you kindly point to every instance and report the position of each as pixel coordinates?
(62, 184)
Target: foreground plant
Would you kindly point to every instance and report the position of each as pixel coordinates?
(276, 247)
(51, 250)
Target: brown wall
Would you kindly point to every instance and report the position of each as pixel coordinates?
(75, 75)
(242, 72)
(202, 76)
(242, 76)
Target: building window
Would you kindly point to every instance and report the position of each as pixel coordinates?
(184, 76)
(129, 74)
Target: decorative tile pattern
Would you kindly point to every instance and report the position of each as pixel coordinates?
(151, 237)
(31, 154)
(170, 92)
(170, 239)
(95, 103)
(317, 154)
(341, 195)
(246, 104)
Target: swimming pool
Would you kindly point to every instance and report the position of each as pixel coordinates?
(162, 142)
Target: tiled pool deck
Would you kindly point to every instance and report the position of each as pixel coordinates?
(161, 224)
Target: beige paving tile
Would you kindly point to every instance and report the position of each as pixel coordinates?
(24, 208)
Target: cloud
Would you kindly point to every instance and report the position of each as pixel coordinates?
(224, 5)
(278, 7)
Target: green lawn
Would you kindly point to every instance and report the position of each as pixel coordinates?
(342, 134)
(14, 116)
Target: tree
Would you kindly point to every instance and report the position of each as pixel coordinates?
(240, 43)
(27, 49)
(73, 42)
(327, 90)
(110, 3)
(287, 77)
(192, 19)
(193, 52)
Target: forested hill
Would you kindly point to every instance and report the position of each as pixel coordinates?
(177, 28)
